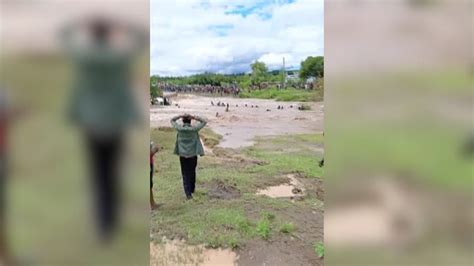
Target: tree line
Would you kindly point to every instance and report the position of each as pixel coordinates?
(311, 67)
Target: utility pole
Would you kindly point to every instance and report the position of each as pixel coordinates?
(283, 74)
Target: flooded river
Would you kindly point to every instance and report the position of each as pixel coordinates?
(246, 118)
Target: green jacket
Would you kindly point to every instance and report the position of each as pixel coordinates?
(188, 142)
(102, 100)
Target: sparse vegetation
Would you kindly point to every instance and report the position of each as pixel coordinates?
(319, 249)
(263, 228)
(287, 228)
(231, 223)
(210, 138)
(268, 216)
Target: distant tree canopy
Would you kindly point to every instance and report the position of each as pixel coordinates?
(312, 66)
(154, 90)
(205, 79)
(259, 72)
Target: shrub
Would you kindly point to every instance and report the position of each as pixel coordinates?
(287, 228)
(319, 249)
(263, 228)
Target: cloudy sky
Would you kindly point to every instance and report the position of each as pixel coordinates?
(226, 36)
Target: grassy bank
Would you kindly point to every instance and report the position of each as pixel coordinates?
(248, 217)
(286, 95)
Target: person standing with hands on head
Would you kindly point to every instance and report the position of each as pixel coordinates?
(103, 105)
(188, 147)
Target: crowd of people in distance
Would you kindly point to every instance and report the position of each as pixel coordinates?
(207, 89)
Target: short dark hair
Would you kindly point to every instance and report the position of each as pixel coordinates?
(187, 120)
(100, 29)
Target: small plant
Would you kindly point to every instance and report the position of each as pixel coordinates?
(266, 215)
(244, 226)
(287, 228)
(319, 249)
(233, 243)
(214, 242)
(263, 228)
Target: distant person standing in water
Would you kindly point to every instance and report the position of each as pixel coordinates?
(188, 147)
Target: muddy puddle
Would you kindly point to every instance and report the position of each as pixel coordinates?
(246, 118)
(177, 252)
(290, 190)
(392, 217)
(217, 189)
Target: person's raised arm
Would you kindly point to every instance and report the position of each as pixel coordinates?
(137, 36)
(174, 123)
(67, 36)
(202, 122)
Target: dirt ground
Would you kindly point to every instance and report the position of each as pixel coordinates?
(241, 124)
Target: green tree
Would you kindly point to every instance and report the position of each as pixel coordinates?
(154, 90)
(312, 66)
(259, 72)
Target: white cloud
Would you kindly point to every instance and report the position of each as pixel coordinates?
(189, 37)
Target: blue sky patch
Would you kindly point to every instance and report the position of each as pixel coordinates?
(221, 30)
(257, 8)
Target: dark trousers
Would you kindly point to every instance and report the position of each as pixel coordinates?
(104, 154)
(3, 196)
(188, 171)
(151, 175)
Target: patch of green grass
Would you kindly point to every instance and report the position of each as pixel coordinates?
(267, 216)
(209, 137)
(307, 138)
(287, 228)
(433, 157)
(445, 82)
(234, 243)
(319, 249)
(263, 228)
(217, 241)
(286, 95)
(305, 162)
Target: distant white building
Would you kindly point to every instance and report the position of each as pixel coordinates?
(292, 75)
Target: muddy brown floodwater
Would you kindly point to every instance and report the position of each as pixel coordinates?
(291, 189)
(177, 252)
(246, 118)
